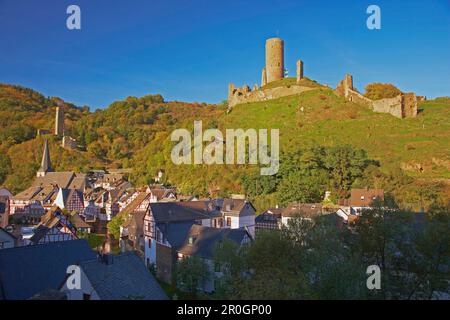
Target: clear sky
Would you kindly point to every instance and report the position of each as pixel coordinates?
(190, 50)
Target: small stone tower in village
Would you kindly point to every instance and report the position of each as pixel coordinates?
(274, 69)
(59, 122)
(46, 165)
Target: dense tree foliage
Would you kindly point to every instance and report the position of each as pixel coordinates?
(306, 174)
(316, 259)
(191, 274)
(377, 91)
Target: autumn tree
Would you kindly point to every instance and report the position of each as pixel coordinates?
(377, 91)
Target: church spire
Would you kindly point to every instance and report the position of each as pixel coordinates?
(46, 165)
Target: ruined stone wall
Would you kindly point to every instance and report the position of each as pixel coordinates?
(274, 59)
(409, 104)
(357, 97)
(402, 106)
(389, 105)
(69, 143)
(245, 95)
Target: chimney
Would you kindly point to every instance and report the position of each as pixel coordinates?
(107, 258)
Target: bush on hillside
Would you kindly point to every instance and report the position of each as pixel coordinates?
(377, 91)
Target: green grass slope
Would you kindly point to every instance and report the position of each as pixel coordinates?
(420, 145)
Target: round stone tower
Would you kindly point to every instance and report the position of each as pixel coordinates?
(274, 59)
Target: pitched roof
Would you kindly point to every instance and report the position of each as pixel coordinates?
(61, 179)
(175, 232)
(136, 202)
(125, 278)
(179, 211)
(237, 207)
(306, 210)
(46, 165)
(365, 197)
(204, 240)
(161, 192)
(28, 270)
(78, 222)
(51, 219)
(271, 214)
(78, 182)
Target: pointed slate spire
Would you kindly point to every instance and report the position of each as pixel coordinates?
(46, 165)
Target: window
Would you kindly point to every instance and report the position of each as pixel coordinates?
(217, 267)
(191, 240)
(214, 223)
(149, 243)
(229, 221)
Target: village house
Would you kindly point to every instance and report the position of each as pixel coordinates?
(162, 194)
(80, 224)
(360, 199)
(70, 200)
(269, 219)
(119, 277)
(32, 202)
(167, 224)
(302, 210)
(7, 239)
(27, 271)
(201, 242)
(238, 213)
(111, 181)
(54, 227)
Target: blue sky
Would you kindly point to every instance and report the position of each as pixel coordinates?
(191, 50)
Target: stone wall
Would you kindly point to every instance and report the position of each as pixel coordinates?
(402, 106)
(69, 143)
(245, 94)
(389, 105)
(409, 104)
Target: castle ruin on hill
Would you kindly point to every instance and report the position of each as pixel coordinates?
(273, 71)
(402, 106)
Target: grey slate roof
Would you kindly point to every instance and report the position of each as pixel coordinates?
(206, 238)
(125, 278)
(175, 232)
(29, 270)
(179, 211)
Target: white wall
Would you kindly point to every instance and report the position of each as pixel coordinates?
(150, 253)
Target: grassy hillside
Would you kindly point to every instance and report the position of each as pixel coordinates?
(412, 154)
(419, 145)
